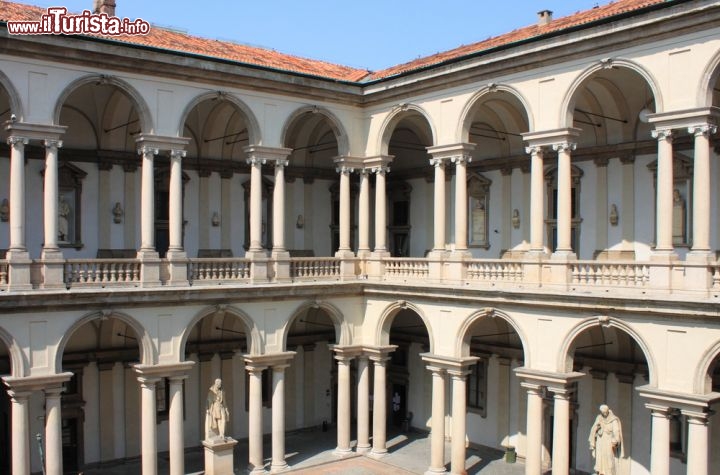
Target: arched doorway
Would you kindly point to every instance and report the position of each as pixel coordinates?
(315, 137)
(101, 400)
(216, 342)
(613, 364)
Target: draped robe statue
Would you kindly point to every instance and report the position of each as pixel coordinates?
(606, 442)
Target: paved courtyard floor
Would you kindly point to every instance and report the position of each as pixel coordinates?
(311, 452)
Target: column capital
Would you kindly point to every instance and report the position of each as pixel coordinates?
(176, 154)
(53, 391)
(281, 163)
(16, 139)
(556, 381)
(564, 146)
(379, 354)
(267, 153)
(255, 161)
(662, 134)
(697, 417)
(378, 164)
(19, 396)
(36, 383)
(149, 142)
(53, 143)
(436, 370)
(659, 410)
(438, 161)
(146, 150)
(447, 363)
(148, 382)
(344, 169)
(463, 159)
(347, 352)
(532, 388)
(268, 360)
(380, 169)
(159, 371)
(452, 152)
(700, 130)
(536, 150)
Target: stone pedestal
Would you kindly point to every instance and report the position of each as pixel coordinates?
(219, 456)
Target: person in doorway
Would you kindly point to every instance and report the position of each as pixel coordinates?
(216, 413)
(606, 442)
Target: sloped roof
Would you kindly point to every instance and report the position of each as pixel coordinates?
(174, 41)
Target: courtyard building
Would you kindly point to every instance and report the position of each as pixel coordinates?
(484, 245)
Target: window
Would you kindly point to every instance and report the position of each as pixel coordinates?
(478, 193)
(477, 388)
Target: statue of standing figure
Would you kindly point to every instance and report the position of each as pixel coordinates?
(606, 442)
(216, 413)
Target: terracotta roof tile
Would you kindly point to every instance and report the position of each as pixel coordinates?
(171, 40)
(598, 13)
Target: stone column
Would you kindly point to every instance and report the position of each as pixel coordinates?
(176, 201)
(380, 209)
(461, 201)
(364, 213)
(53, 431)
(255, 203)
(437, 430)
(564, 198)
(439, 205)
(698, 438)
(20, 432)
(459, 414)
(278, 419)
(50, 199)
(537, 199)
(147, 200)
(363, 409)
(255, 428)
(343, 405)
(279, 207)
(701, 188)
(344, 211)
(561, 432)
(379, 406)
(175, 426)
(17, 193)
(148, 433)
(533, 444)
(664, 191)
(660, 439)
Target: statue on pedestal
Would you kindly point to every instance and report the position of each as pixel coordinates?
(606, 442)
(216, 413)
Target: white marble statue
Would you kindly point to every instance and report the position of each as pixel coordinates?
(606, 442)
(216, 413)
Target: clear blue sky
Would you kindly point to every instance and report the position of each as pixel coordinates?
(371, 34)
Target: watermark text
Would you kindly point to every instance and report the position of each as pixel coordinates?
(57, 21)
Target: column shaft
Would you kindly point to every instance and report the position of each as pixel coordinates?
(255, 204)
(147, 200)
(17, 193)
(364, 217)
(176, 200)
(278, 419)
(344, 208)
(255, 442)
(439, 205)
(20, 433)
(533, 448)
(537, 200)
(53, 432)
(148, 435)
(664, 189)
(279, 207)
(343, 406)
(437, 430)
(363, 409)
(51, 196)
(461, 203)
(379, 409)
(564, 198)
(175, 427)
(380, 211)
(561, 435)
(701, 188)
(697, 456)
(457, 456)
(660, 446)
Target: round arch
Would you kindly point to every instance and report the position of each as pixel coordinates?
(335, 124)
(18, 364)
(146, 121)
(564, 362)
(710, 76)
(342, 330)
(702, 383)
(395, 116)
(463, 129)
(148, 355)
(382, 334)
(16, 106)
(254, 133)
(255, 340)
(462, 345)
(567, 104)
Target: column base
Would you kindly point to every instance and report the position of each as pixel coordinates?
(342, 452)
(435, 471)
(18, 270)
(363, 449)
(378, 453)
(219, 456)
(255, 471)
(279, 467)
(563, 255)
